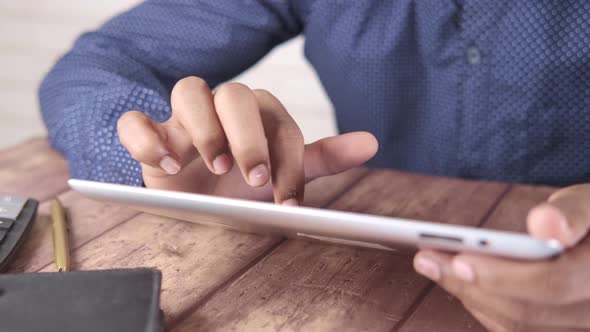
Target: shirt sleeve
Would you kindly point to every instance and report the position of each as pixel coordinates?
(133, 61)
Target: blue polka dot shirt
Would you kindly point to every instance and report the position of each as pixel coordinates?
(496, 90)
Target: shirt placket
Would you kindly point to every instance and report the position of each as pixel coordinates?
(478, 23)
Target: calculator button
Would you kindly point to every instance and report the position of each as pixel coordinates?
(6, 223)
(7, 199)
(11, 206)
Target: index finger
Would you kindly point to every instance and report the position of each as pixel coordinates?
(286, 149)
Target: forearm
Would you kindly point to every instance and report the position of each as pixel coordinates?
(83, 97)
(133, 61)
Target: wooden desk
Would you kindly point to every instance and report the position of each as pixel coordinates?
(215, 279)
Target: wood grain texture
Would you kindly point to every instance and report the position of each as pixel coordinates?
(441, 311)
(513, 209)
(194, 259)
(217, 279)
(87, 219)
(32, 169)
(323, 191)
(317, 287)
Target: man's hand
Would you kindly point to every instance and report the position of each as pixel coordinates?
(507, 295)
(196, 149)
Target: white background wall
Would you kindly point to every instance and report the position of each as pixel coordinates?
(34, 33)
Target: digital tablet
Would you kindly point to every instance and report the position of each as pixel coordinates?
(320, 224)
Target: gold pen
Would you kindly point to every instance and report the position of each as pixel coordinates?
(61, 249)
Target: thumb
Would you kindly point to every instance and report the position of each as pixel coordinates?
(337, 154)
(565, 217)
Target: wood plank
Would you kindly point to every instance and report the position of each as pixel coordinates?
(440, 311)
(16, 152)
(87, 220)
(512, 211)
(322, 191)
(443, 312)
(311, 286)
(194, 259)
(32, 169)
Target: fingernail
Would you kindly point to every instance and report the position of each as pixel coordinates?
(428, 268)
(221, 164)
(290, 202)
(258, 175)
(169, 165)
(564, 226)
(463, 271)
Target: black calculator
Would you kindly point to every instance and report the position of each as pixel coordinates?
(16, 217)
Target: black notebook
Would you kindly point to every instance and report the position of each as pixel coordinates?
(109, 300)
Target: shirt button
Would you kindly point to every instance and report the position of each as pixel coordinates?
(473, 55)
